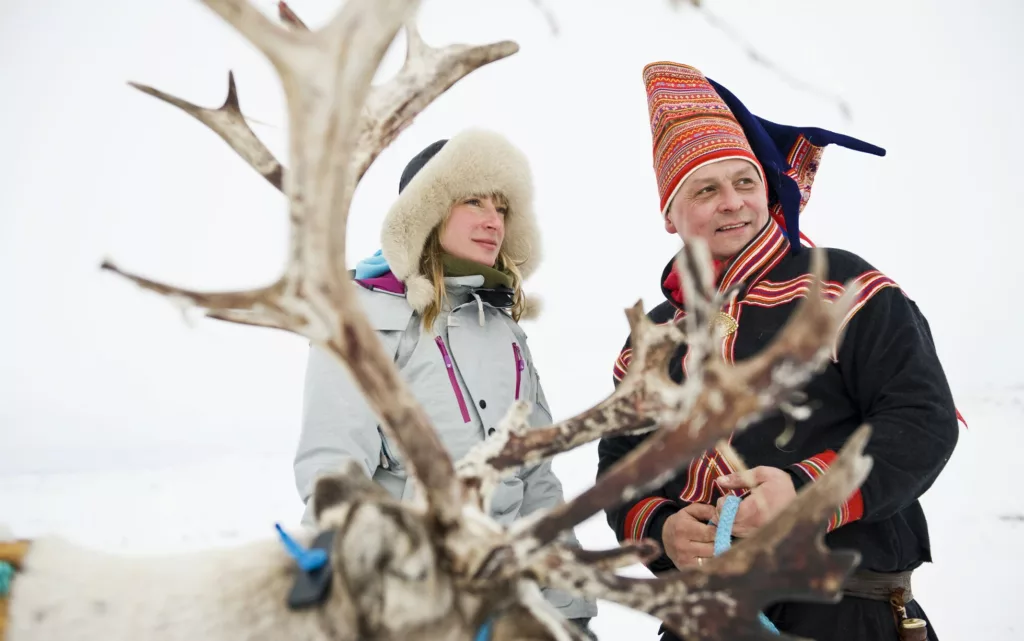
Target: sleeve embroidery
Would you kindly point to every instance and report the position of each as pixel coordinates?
(638, 518)
(814, 468)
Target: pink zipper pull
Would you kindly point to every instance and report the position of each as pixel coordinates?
(452, 379)
(520, 366)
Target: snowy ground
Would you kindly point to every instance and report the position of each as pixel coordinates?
(179, 501)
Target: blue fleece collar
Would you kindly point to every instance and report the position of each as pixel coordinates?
(373, 266)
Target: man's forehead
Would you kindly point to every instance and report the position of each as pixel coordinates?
(725, 168)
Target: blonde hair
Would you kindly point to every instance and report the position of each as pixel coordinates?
(432, 266)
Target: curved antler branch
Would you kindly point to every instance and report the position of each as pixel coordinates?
(228, 122)
(427, 73)
(215, 302)
(783, 560)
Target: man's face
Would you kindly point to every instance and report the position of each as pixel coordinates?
(725, 203)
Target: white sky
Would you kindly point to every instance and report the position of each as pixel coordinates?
(95, 373)
(94, 168)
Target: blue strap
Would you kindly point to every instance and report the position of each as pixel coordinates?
(723, 541)
(6, 576)
(484, 633)
(308, 560)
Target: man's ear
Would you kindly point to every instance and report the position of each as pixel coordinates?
(670, 227)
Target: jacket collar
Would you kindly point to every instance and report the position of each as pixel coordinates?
(460, 289)
(463, 289)
(749, 266)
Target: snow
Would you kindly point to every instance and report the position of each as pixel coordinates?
(124, 428)
(228, 499)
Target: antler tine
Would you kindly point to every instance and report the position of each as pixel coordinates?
(427, 73)
(256, 306)
(726, 398)
(698, 278)
(228, 122)
(702, 303)
(785, 559)
(289, 17)
(415, 47)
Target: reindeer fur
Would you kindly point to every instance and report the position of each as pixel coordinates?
(386, 586)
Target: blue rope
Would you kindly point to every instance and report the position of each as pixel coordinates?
(723, 541)
(484, 633)
(308, 560)
(6, 576)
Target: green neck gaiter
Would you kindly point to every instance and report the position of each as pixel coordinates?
(493, 278)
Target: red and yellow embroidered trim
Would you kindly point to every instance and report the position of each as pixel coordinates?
(853, 509)
(638, 518)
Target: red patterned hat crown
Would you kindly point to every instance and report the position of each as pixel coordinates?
(691, 126)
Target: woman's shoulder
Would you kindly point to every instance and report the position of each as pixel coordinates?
(384, 303)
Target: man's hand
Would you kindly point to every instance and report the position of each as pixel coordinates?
(771, 491)
(686, 535)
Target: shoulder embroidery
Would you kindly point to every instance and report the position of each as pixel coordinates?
(773, 294)
(622, 364)
(639, 517)
(870, 283)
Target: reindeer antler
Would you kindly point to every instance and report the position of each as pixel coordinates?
(228, 122)
(289, 17)
(427, 73)
(719, 601)
(389, 109)
(326, 75)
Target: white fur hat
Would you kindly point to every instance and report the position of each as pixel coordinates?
(473, 162)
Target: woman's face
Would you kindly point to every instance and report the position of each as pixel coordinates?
(475, 229)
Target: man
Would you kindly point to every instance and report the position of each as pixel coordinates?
(739, 182)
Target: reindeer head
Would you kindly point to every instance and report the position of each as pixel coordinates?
(386, 576)
(381, 555)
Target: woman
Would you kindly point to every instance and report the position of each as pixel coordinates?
(444, 294)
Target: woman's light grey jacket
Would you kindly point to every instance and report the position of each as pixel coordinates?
(466, 373)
